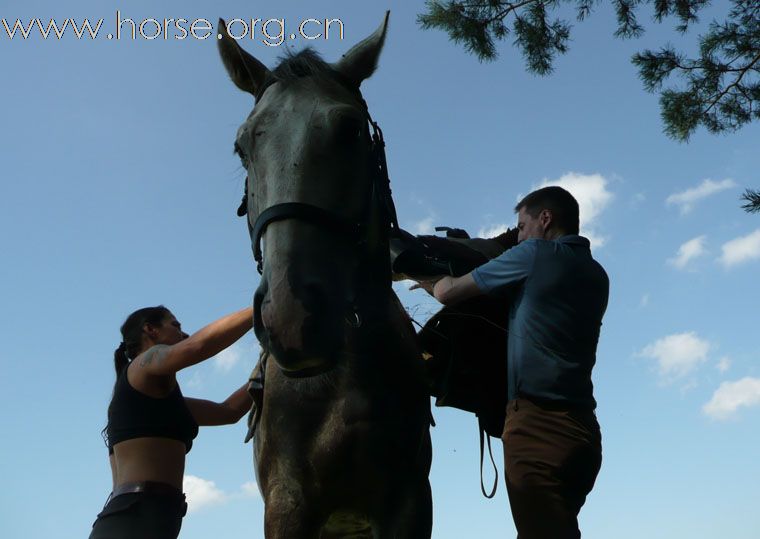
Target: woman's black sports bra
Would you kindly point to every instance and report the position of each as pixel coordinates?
(133, 414)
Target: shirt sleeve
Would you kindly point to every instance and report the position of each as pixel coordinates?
(508, 269)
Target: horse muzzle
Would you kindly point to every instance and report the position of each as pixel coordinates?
(305, 333)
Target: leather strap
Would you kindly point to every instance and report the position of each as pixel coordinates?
(301, 211)
(490, 454)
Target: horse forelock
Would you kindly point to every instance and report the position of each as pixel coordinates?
(306, 63)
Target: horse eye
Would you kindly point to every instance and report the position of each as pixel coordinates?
(348, 129)
(241, 154)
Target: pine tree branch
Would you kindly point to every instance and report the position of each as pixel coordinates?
(743, 71)
(729, 51)
(753, 201)
(511, 8)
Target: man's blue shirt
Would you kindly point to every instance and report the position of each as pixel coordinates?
(559, 296)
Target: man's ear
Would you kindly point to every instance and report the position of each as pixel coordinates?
(546, 217)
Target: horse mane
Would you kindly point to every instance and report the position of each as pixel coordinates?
(304, 63)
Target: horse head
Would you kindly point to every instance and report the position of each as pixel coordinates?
(313, 199)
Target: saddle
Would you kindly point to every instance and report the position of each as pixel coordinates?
(464, 346)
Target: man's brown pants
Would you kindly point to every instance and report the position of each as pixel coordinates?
(551, 460)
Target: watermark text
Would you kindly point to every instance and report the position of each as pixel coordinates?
(272, 32)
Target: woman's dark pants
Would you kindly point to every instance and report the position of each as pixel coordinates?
(141, 515)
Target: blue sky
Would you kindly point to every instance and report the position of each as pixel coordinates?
(119, 190)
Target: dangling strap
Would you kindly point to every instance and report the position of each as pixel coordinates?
(490, 454)
(256, 391)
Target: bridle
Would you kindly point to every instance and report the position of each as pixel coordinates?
(379, 203)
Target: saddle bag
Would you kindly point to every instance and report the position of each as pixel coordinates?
(465, 348)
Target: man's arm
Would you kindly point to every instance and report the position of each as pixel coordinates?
(449, 290)
(507, 270)
(452, 290)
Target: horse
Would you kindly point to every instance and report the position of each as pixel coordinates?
(342, 447)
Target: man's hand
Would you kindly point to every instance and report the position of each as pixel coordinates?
(508, 239)
(427, 284)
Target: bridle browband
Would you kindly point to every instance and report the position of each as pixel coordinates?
(380, 196)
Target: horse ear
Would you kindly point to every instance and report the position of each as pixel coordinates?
(361, 60)
(246, 72)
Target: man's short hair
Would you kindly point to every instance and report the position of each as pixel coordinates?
(560, 202)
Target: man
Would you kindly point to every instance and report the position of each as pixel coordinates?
(552, 442)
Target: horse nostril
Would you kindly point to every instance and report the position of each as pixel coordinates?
(315, 296)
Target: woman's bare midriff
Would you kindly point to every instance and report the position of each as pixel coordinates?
(149, 459)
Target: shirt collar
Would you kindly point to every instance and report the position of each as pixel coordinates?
(574, 239)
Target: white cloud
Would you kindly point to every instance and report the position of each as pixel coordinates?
(688, 251)
(688, 386)
(195, 381)
(731, 396)
(492, 230)
(225, 360)
(638, 199)
(590, 190)
(724, 364)
(687, 199)
(644, 300)
(201, 493)
(677, 355)
(424, 226)
(741, 249)
(250, 489)
(593, 238)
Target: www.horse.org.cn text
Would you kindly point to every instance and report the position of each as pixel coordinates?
(272, 32)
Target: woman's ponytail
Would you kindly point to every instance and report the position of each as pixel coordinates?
(120, 357)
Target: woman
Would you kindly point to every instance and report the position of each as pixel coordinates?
(151, 426)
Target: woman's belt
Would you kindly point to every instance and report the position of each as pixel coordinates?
(151, 487)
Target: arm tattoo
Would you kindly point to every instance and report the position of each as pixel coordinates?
(155, 355)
